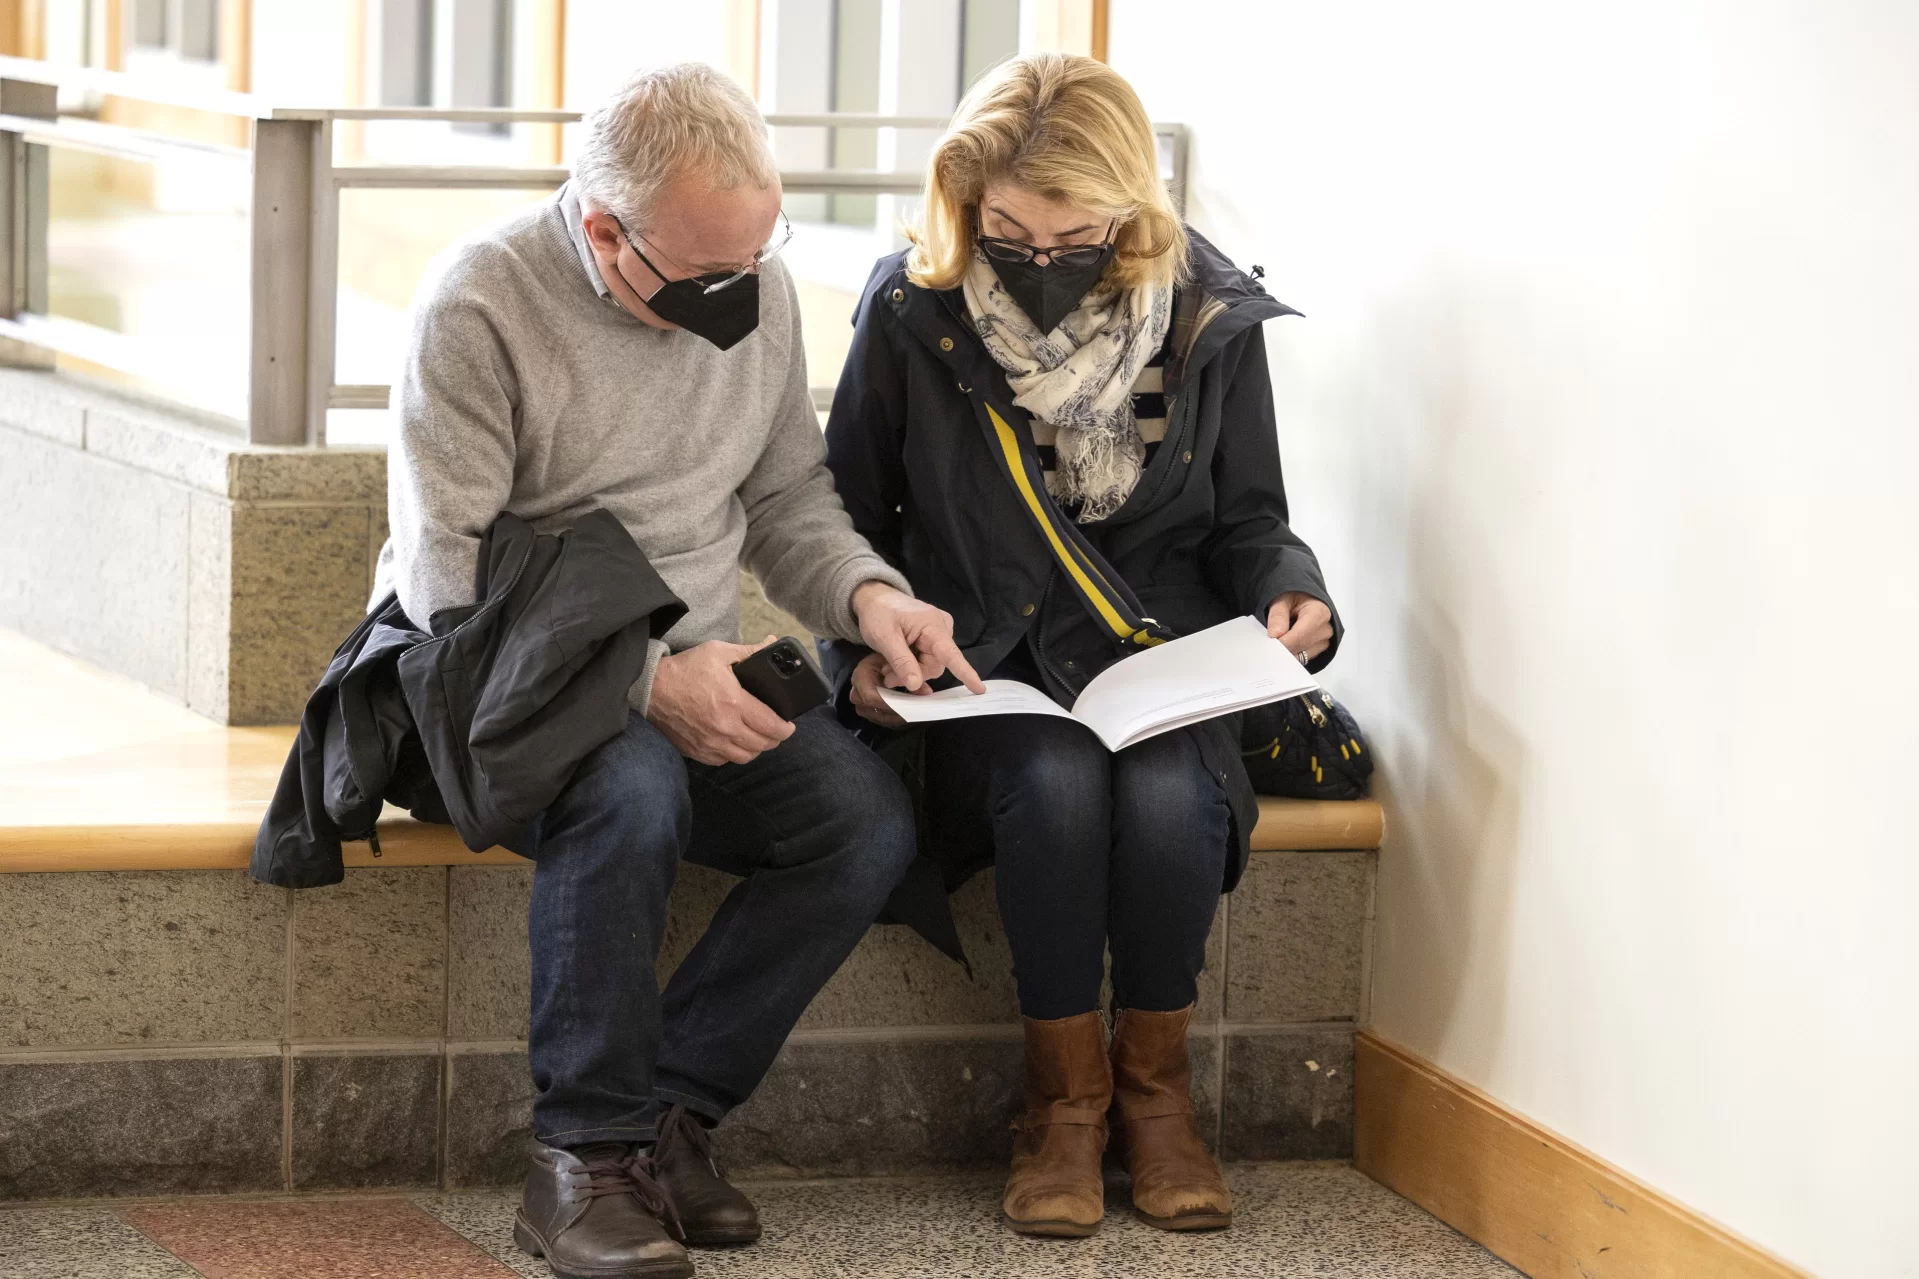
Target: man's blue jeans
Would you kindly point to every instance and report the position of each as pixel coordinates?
(821, 830)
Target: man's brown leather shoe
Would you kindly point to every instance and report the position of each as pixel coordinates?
(1176, 1183)
(1055, 1187)
(711, 1211)
(597, 1213)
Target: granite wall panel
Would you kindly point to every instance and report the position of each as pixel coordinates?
(365, 1120)
(1288, 1094)
(132, 1125)
(489, 1116)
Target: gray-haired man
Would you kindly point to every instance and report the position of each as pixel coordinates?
(635, 345)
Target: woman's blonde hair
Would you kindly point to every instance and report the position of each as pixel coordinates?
(1065, 127)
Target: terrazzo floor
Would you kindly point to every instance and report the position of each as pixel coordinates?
(1303, 1220)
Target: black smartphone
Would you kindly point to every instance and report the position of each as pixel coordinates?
(784, 677)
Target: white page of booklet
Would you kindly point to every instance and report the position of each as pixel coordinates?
(1002, 697)
(1225, 668)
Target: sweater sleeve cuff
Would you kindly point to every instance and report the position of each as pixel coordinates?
(857, 572)
(641, 693)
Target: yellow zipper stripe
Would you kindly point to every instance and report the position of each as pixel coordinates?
(1009, 444)
(1143, 637)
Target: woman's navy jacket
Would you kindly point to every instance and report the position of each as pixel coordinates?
(1202, 539)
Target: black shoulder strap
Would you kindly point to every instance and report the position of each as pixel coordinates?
(1104, 593)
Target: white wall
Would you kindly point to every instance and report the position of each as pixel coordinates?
(1605, 420)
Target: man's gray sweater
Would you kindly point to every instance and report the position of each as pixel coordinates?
(528, 389)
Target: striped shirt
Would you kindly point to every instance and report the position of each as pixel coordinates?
(1149, 410)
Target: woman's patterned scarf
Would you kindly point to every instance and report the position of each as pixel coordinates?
(1079, 377)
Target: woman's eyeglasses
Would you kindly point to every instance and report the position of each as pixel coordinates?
(1065, 254)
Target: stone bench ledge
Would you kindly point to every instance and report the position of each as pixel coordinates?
(92, 844)
(102, 775)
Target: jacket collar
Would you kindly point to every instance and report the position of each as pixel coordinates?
(569, 201)
(1218, 302)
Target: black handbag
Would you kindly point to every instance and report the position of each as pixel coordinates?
(1306, 747)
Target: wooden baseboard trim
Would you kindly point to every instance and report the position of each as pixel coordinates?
(1534, 1199)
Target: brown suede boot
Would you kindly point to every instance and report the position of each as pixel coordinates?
(1055, 1187)
(1176, 1183)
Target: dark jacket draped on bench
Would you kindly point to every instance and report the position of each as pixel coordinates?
(479, 720)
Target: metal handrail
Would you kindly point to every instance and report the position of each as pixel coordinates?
(436, 175)
(544, 115)
(856, 120)
(111, 139)
(253, 106)
(123, 84)
(447, 115)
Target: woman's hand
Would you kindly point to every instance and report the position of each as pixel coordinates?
(868, 678)
(1302, 623)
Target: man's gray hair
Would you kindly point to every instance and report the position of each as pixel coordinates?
(665, 122)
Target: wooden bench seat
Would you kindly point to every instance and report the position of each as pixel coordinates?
(97, 773)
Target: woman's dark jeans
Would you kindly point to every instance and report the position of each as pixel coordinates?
(821, 830)
(1093, 849)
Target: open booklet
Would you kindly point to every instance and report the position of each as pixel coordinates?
(1217, 671)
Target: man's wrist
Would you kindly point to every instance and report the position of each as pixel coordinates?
(867, 591)
(640, 696)
(853, 589)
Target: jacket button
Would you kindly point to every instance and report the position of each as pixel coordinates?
(899, 295)
(1026, 610)
(1071, 665)
(1189, 455)
(946, 344)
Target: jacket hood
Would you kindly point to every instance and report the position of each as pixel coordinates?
(1217, 303)
(1216, 275)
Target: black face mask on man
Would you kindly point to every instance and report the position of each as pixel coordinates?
(1050, 293)
(723, 316)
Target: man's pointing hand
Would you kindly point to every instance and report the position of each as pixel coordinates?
(915, 638)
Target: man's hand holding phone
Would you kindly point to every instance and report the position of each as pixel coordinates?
(701, 708)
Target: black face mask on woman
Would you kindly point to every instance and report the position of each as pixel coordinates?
(722, 316)
(1050, 293)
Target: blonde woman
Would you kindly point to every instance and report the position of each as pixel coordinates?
(1056, 421)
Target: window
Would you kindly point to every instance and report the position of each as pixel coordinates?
(187, 29)
(406, 53)
(150, 24)
(887, 57)
(480, 61)
(989, 34)
(456, 53)
(855, 86)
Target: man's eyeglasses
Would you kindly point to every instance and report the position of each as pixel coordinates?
(1065, 254)
(714, 281)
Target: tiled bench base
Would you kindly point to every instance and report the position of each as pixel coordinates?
(192, 1032)
(835, 1104)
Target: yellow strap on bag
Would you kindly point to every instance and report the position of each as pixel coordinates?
(1115, 607)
